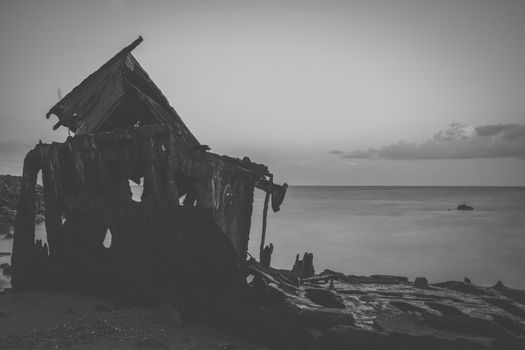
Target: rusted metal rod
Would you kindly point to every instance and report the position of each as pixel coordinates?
(265, 216)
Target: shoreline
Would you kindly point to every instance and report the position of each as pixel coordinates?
(338, 311)
(282, 308)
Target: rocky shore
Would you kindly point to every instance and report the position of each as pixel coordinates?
(390, 312)
(328, 311)
(9, 196)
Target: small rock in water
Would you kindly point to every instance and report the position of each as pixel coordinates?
(464, 207)
(421, 282)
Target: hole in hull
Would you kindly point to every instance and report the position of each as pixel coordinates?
(136, 190)
(107, 239)
(40, 226)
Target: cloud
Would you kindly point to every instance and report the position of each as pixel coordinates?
(458, 141)
(495, 129)
(337, 152)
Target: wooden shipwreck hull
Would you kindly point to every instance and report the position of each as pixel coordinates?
(87, 193)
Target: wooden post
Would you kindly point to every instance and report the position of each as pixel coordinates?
(265, 216)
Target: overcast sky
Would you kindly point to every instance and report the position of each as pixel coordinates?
(392, 92)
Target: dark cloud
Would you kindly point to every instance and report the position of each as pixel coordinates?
(491, 130)
(514, 133)
(459, 141)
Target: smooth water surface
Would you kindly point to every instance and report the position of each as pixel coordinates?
(406, 231)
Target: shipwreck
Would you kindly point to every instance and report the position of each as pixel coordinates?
(125, 130)
(185, 241)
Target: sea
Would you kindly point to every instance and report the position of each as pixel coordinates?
(403, 231)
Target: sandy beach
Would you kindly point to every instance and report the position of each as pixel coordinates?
(49, 320)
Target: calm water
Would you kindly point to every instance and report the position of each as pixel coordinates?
(405, 231)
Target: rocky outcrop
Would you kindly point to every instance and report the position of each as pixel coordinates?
(382, 312)
(9, 197)
(464, 207)
(421, 282)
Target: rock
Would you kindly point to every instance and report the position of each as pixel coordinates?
(464, 287)
(328, 272)
(325, 297)
(9, 196)
(514, 294)
(390, 279)
(464, 207)
(6, 269)
(8, 235)
(421, 282)
(268, 295)
(324, 318)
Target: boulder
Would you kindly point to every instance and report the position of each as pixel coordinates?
(464, 207)
(421, 282)
(325, 297)
(390, 279)
(9, 197)
(6, 269)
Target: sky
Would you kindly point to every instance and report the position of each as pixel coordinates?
(392, 92)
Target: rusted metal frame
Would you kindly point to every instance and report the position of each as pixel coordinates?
(265, 218)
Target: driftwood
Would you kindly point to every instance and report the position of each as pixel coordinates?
(266, 255)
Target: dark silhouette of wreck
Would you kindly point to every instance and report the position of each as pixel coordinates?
(193, 254)
(161, 250)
